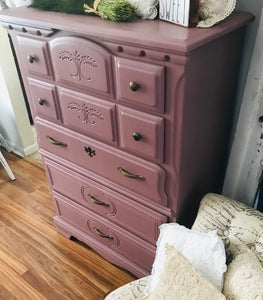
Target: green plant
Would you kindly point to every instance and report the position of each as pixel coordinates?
(114, 10)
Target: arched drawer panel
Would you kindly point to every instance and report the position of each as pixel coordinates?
(80, 62)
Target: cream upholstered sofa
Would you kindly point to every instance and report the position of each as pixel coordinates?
(241, 229)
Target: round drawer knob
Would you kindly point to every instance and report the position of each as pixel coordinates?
(41, 101)
(31, 58)
(137, 136)
(134, 86)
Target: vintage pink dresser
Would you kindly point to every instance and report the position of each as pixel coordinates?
(133, 121)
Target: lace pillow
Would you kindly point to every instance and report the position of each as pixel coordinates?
(214, 11)
(181, 281)
(244, 277)
(146, 9)
(205, 251)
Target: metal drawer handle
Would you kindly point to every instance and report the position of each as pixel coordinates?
(129, 175)
(95, 201)
(137, 136)
(41, 101)
(134, 86)
(105, 236)
(56, 143)
(31, 58)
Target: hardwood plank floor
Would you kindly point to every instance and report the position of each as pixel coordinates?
(36, 262)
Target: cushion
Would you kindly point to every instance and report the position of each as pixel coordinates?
(236, 223)
(204, 250)
(145, 9)
(181, 281)
(131, 291)
(244, 277)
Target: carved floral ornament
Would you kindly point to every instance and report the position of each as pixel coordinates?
(86, 115)
(78, 60)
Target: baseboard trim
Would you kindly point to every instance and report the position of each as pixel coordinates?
(22, 151)
(31, 149)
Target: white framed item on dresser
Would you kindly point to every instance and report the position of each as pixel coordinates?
(181, 12)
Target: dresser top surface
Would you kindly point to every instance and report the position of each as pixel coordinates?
(152, 33)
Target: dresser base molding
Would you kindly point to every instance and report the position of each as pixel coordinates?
(70, 232)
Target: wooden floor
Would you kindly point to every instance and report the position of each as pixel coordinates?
(36, 262)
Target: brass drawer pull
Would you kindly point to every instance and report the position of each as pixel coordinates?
(95, 201)
(41, 101)
(56, 143)
(134, 86)
(137, 136)
(105, 236)
(129, 175)
(31, 58)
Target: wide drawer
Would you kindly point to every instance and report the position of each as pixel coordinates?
(141, 133)
(88, 115)
(140, 176)
(33, 55)
(140, 83)
(117, 208)
(106, 233)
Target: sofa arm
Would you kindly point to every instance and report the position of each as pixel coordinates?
(131, 291)
(236, 223)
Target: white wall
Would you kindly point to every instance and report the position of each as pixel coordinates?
(246, 157)
(254, 7)
(8, 127)
(14, 122)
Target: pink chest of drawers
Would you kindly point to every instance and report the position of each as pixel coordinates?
(132, 119)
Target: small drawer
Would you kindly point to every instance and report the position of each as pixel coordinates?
(106, 233)
(44, 99)
(141, 133)
(137, 175)
(117, 208)
(81, 63)
(140, 83)
(88, 115)
(33, 55)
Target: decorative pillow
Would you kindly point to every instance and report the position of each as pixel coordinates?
(244, 277)
(146, 9)
(181, 281)
(130, 291)
(214, 11)
(236, 223)
(205, 251)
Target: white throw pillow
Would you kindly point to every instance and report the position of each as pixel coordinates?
(205, 251)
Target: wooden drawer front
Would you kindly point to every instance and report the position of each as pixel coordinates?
(141, 133)
(87, 114)
(105, 161)
(43, 98)
(108, 234)
(119, 209)
(140, 83)
(33, 55)
(80, 62)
